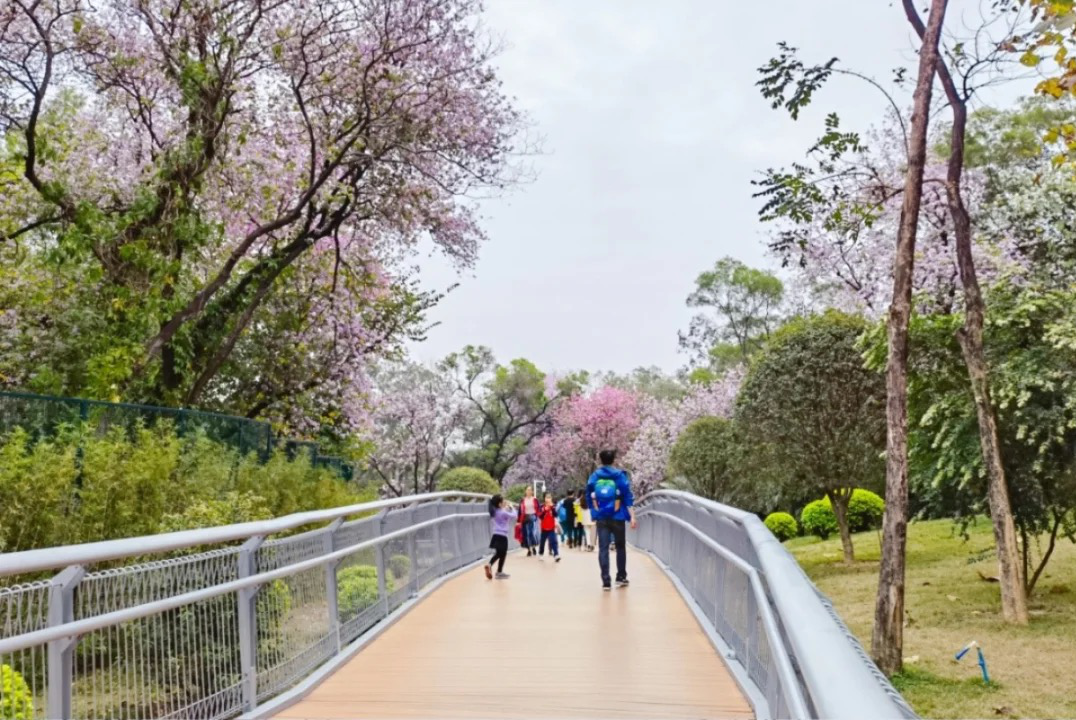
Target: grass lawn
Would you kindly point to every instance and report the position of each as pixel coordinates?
(1032, 669)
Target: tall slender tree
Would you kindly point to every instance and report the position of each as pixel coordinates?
(970, 336)
(887, 640)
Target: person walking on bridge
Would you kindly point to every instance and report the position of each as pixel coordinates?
(528, 517)
(501, 514)
(609, 498)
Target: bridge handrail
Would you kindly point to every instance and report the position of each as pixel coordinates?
(838, 677)
(31, 561)
(78, 628)
(222, 626)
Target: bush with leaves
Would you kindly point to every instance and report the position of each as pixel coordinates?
(515, 493)
(818, 519)
(36, 491)
(356, 589)
(468, 479)
(782, 525)
(703, 459)
(16, 700)
(400, 566)
(865, 511)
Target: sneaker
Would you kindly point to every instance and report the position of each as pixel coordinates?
(489, 572)
(558, 558)
(541, 557)
(502, 576)
(607, 588)
(622, 583)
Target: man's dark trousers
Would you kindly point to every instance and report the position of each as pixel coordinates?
(612, 531)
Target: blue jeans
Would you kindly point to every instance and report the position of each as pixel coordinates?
(610, 531)
(530, 538)
(549, 536)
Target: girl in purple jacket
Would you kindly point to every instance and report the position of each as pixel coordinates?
(500, 510)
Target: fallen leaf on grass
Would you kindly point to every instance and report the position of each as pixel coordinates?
(1004, 710)
(988, 578)
(952, 598)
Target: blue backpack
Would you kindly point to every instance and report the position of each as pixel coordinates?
(562, 513)
(606, 495)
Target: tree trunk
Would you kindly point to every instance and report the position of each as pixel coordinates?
(887, 641)
(838, 500)
(1013, 590)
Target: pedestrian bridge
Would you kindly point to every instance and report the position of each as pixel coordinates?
(381, 610)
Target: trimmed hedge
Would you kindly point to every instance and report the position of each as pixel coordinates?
(865, 511)
(782, 525)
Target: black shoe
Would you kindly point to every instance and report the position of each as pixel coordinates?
(606, 587)
(622, 583)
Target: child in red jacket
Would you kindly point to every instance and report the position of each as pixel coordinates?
(547, 516)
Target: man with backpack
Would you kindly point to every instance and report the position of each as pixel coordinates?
(611, 505)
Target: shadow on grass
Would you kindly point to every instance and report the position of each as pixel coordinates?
(929, 693)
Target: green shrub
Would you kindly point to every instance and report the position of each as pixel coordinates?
(36, 491)
(782, 525)
(516, 493)
(400, 566)
(16, 700)
(230, 509)
(818, 519)
(356, 589)
(865, 510)
(468, 479)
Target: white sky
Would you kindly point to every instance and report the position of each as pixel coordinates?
(652, 131)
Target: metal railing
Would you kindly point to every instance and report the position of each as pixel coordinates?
(212, 623)
(780, 635)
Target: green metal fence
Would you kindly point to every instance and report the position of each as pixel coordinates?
(43, 415)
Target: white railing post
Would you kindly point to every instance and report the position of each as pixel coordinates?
(61, 652)
(247, 600)
(379, 555)
(331, 596)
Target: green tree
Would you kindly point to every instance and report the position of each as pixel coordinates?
(702, 460)
(812, 417)
(468, 479)
(1031, 344)
(509, 406)
(740, 307)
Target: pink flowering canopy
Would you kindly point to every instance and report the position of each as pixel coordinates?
(642, 427)
(187, 173)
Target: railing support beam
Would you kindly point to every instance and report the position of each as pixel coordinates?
(331, 595)
(247, 598)
(61, 653)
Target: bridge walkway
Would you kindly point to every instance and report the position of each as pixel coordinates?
(546, 643)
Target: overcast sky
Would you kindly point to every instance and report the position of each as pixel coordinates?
(652, 131)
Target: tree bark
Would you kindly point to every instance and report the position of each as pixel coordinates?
(887, 641)
(838, 500)
(970, 337)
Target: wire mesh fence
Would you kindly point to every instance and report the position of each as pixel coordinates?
(46, 415)
(777, 627)
(210, 634)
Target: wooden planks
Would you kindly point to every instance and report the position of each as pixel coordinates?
(546, 643)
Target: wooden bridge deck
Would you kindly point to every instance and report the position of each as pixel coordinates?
(545, 643)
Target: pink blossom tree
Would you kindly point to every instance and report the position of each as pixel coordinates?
(418, 416)
(583, 425)
(188, 170)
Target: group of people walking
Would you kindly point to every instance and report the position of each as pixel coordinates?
(596, 517)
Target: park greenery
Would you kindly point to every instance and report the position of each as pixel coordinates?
(216, 217)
